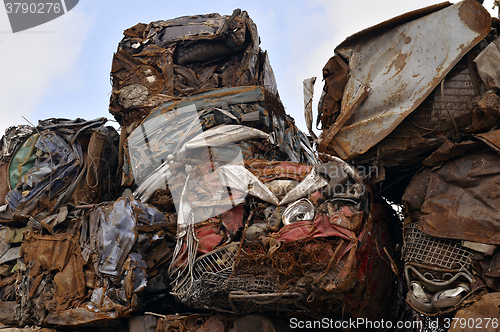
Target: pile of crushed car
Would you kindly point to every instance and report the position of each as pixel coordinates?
(212, 211)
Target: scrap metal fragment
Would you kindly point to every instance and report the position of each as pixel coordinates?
(393, 64)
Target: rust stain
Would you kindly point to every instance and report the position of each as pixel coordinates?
(475, 16)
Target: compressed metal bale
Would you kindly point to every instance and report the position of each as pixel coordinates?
(165, 60)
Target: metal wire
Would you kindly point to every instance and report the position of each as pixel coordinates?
(212, 282)
(421, 248)
(215, 266)
(256, 282)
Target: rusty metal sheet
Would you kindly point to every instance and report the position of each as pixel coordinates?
(60, 253)
(308, 88)
(78, 316)
(335, 74)
(488, 65)
(430, 125)
(459, 199)
(345, 48)
(484, 310)
(70, 283)
(449, 151)
(184, 56)
(402, 66)
(491, 138)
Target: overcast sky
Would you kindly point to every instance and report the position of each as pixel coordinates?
(61, 68)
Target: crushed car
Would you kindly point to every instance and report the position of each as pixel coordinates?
(423, 109)
(209, 200)
(211, 210)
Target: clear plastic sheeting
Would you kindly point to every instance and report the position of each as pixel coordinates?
(240, 178)
(207, 196)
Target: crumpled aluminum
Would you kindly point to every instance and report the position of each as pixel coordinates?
(301, 210)
(222, 135)
(240, 178)
(118, 233)
(48, 176)
(117, 236)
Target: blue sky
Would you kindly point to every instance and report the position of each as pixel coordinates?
(61, 68)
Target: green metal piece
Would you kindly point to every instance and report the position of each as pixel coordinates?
(23, 160)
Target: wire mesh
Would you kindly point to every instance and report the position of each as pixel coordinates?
(255, 280)
(216, 265)
(421, 248)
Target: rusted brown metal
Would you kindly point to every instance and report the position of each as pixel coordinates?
(476, 316)
(62, 254)
(335, 74)
(491, 138)
(458, 202)
(399, 72)
(153, 63)
(8, 312)
(342, 120)
(78, 316)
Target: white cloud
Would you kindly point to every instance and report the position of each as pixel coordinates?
(31, 60)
